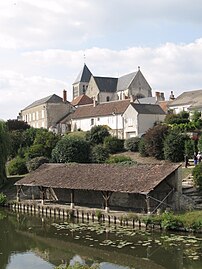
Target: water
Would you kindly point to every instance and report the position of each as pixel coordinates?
(30, 242)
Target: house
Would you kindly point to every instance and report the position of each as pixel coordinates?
(138, 188)
(82, 100)
(124, 118)
(105, 89)
(47, 112)
(187, 101)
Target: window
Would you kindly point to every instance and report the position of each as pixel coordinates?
(92, 122)
(37, 115)
(33, 116)
(84, 90)
(42, 114)
(107, 99)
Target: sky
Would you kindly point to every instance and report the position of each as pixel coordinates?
(44, 44)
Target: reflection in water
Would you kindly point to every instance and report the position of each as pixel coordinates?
(32, 241)
(27, 260)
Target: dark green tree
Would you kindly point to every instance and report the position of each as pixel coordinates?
(4, 149)
(71, 149)
(174, 146)
(19, 125)
(113, 144)
(154, 141)
(132, 144)
(99, 154)
(197, 175)
(97, 134)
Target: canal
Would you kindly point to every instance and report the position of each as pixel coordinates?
(33, 242)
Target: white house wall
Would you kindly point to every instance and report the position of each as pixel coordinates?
(146, 121)
(114, 122)
(178, 109)
(130, 122)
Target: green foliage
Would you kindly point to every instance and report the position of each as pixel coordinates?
(97, 134)
(78, 134)
(16, 140)
(197, 175)
(141, 148)
(71, 149)
(174, 146)
(17, 125)
(34, 151)
(132, 144)
(47, 139)
(4, 148)
(154, 140)
(29, 136)
(113, 144)
(3, 199)
(120, 159)
(171, 221)
(17, 166)
(99, 154)
(199, 144)
(182, 117)
(189, 147)
(34, 163)
(196, 116)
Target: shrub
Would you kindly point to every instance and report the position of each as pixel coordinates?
(99, 154)
(34, 163)
(71, 149)
(113, 144)
(154, 140)
(189, 148)
(35, 151)
(17, 166)
(97, 134)
(120, 159)
(174, 146)
(141, 148)
(197, 175)
(3, 199)
(132, 144)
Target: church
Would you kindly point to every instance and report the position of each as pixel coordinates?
(106, 89)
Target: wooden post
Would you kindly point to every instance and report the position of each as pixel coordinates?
(148, 204)
(72, 199)
(18, 194)
(106, 195)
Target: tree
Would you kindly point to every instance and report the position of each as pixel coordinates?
(71, 149)
(97, 134)
(154, 139)
(174, 146)
(113, 144)
(132, 144)
(19, 125)
(99, 154)
(197, 175)
(4, 148)
(182, 117)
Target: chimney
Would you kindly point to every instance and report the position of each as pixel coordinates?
(64, 95)
(162, 96)
(158, 96)
(172, 97)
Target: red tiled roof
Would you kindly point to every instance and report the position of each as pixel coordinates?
(103, 109)
(101, 177)
(82, 100)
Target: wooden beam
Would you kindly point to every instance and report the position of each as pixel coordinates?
(72, 199)
(106, 196)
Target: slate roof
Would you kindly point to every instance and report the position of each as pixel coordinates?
(106, 84)
(49, 99)
(125, 81)
(102, 109)
(193, 98)
(148, 109)
(82, 100)
(84, 75)
(100, 177)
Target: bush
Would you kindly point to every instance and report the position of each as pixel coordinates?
(71, 149)
(34, 163)
(113, 144)
(97, 134)
(154, 141)
(17, 166)
(132, 144)
(35, 151)
(174, 146)
(197, 175)
(99, 154)
(141, 148)
(120, 159)
(189, 148)
(3, 199)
